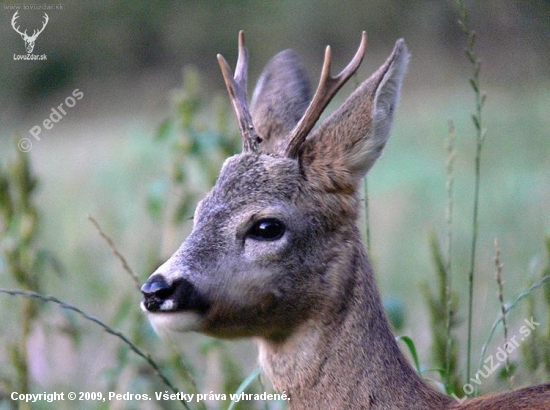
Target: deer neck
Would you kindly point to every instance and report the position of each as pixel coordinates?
(345, 356)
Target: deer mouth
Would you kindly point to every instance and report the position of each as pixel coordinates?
(156, 305)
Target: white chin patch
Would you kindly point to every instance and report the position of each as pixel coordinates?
(173, 321)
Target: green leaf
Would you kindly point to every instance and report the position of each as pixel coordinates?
(463, 27)
(476, 121)
(412, 349)
(472, 39)
(474, 85)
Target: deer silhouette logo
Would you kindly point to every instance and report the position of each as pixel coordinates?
(29, 40)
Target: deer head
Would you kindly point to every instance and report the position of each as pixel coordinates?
(280, 212)
(29, 40)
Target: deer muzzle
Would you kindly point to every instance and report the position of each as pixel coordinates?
(181, 295)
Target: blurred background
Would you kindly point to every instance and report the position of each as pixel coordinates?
(124, 153)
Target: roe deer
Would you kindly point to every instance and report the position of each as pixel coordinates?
(275, 253)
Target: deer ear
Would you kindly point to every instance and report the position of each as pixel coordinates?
(340, 152)
(279, 100)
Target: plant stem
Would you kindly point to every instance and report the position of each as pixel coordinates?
(472, 260)
(499, 266)
(448, 267)
(115, 251)
(480, 137)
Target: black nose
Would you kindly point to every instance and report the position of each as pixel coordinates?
(156, 286)
(156, 291)
(181, 293)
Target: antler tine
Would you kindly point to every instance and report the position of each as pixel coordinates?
(236, 86)
(46, 19)
(327, 89)
(15, 17)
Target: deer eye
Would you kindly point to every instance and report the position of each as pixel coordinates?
(267, 230)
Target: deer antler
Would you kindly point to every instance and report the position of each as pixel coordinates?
(15, 17)
(236, 86)
(37, 32)
(327, 89)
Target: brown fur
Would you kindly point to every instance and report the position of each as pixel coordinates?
(309, 297)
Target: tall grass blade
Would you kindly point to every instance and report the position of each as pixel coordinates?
(448, 265)
(243, 386)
